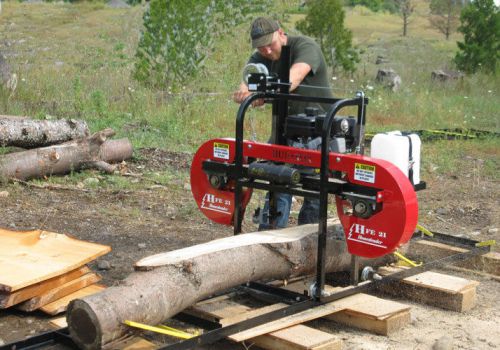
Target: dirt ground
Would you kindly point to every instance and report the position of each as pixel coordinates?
(155, 218)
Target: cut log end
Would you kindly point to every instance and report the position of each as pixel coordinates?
(83, 325)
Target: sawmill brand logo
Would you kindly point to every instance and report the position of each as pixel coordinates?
(221, 150)
(362, 234)
(364, 172)
(290, 156)
(212, 202)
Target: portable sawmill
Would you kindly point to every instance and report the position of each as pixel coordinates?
(376, 202)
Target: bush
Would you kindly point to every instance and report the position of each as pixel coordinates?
(480, 25)
(179, 34)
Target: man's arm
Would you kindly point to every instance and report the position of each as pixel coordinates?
(298, 72)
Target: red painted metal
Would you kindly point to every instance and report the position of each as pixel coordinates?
(217, 205)
(375, 236)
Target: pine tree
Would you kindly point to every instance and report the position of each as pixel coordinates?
(480, 25)
(325, 22)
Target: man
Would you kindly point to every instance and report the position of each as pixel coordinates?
(308, 77)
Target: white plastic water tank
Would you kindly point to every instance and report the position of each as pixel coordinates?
(395, 148)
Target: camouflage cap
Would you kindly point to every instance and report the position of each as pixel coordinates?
(262, 31)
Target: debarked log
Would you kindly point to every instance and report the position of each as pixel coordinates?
(30, 133)
(165, 284)
(94, 151)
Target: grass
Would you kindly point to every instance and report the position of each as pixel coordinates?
(75, 61)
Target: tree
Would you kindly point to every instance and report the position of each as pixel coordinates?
(480, 25)
(406, 8)
(179, 34)
(325, 22)
(445, 15)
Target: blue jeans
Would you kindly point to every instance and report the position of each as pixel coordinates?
(309, 213)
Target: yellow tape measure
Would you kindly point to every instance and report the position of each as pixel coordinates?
(161, 329)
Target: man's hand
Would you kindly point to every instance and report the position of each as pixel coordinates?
(240, 95)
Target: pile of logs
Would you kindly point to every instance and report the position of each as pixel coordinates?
(54, 147)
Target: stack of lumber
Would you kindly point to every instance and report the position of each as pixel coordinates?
(42, 270)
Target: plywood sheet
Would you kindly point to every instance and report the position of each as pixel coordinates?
(28, 257)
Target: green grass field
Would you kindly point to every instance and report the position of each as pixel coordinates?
(75, 61)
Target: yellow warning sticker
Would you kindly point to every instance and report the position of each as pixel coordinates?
(221, 150)
(364, 172)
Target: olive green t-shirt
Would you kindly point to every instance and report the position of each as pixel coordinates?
(303, 50)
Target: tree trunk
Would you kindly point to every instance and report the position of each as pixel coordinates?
(28, 133)
(166, 284)
(93, 151)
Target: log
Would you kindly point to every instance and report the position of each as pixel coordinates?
(29, 133)
(165, 284)
(94, 151)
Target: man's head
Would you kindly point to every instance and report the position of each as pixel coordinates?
(267, 37)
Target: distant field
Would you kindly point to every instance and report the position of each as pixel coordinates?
(75, 61)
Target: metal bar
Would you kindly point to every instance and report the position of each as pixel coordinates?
(60, 336)
(283, 189)
(323, 198)
(354, 270)
(456, 241)
(240, 118)
(286, 296)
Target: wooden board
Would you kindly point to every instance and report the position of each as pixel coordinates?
(428, 251)
(242, 316)
(436, 289)
(60, 305)
(59, 292)
(373, 314)
(29, 257)
(59, 322)
(131, 343)
(298, 337)
(364, 311)
(360, 310)
(9, 299)
(295, 337)
(360, 303)
(217, 310)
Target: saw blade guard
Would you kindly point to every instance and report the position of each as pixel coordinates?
(214, 193)
(383, 230)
